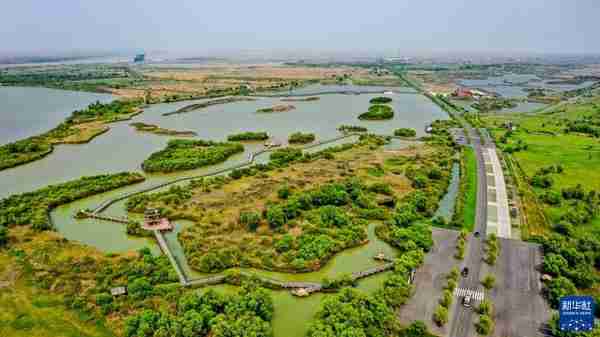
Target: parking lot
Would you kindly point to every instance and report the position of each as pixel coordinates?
(430, 279)
(520, 309)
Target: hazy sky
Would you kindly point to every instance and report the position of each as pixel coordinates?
(542, 26)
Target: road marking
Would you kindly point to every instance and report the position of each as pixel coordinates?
(477, 295)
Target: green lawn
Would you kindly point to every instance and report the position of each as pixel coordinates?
(548, 143)
(470, 189)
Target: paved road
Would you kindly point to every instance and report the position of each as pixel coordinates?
(463, 318)
(430, 279)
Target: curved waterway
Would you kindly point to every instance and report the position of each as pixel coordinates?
(122, 149)
(26, 112)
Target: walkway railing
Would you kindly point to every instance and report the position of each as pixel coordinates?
(307, 287)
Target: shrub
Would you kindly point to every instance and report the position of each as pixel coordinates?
(440, 316)
(3, 236)
(405, 132)
(485, 325)
(140, 288)
(559, 287)
(542, 181)
(248, 136)
(552, 198)
(275, 216)
(380, 100)
(351, 128)
(485, 307)
(489, 281)
(250, 220)
(285, 243)
(284, 191)
(301, 138)
(446, 299)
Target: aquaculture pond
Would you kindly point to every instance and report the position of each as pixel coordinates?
(514, 85)
(26, 112)
(123, 149)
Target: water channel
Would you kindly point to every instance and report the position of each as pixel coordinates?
(123, 149)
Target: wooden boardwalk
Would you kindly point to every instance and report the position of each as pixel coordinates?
(375, 270)
(104, 217)
(162, 243)
(307, 287)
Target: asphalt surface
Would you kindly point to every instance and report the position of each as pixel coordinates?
(520, 309)
(461, 322)
(430, 280)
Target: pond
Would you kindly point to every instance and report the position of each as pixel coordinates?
(514, 85)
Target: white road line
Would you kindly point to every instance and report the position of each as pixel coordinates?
(477, 295)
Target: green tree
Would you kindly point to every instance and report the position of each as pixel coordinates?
(559, 287)
(140, 288)
(489, 281)
(3, 236)
(275, 216)
(485, 325)
(440, 316)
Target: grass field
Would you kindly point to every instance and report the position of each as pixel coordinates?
(547, 143)
(470, 189)
(29, 313)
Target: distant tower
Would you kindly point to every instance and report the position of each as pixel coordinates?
(139, 58)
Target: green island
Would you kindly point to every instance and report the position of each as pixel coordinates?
(295, 219)
(155, 129)
(187, 154)
(276, 108)
(81, 127)
(199, 106)
(32, 208)
(405, 132)
(301, 99)
(248, 136)
(378, 112)
(351, 128)
(301, 138)
(380, 100)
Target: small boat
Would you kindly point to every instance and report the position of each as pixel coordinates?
(300, 292)
(272, 143)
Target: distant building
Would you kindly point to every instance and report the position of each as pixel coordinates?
(117, 291)
(139, 58)
(462, 93)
